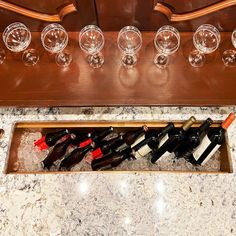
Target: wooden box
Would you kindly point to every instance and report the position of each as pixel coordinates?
(21, 128)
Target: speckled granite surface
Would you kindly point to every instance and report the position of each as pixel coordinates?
(116, 204)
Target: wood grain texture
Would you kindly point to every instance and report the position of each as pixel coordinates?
(63, 11)
(195, 13)
(80, 124)
(53, 10)
(46, 84)
(122, 126)
(113, 15)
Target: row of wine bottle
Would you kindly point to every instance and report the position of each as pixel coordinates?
(196, 145)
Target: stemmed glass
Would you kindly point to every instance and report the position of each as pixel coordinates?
(55, 39)
(129, 42)
(91, 41)
(206, 40)
(229, 56)
(166, 41)
(17, 38)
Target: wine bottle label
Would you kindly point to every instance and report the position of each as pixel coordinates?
(142, 152)
(211, 154)
(163, 140)
(202, 147)
(97, 153)
(140, 139)
(85, 143)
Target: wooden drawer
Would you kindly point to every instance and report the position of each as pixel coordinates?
(24, 134)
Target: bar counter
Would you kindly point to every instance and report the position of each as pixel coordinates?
(135, 203)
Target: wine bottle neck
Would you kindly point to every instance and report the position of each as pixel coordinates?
(188, 123)
(228, 121)
(204, 127)
(103, 134)
(165, 130)
(139, 131)
(67, 141)
(87, 149)
(126, 151)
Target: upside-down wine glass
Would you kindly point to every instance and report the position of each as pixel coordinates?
(55, 39)
(91, 41)
(229, 56)
(206, 40)
(166, 41)
(17, 38)
(129, 42)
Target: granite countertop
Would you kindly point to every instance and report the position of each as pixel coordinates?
(116, 203)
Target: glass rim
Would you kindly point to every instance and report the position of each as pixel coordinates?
(167, 28)
(89, 28)
(132, 29)
(209, 28)
(9, 29)
(17, 24)
(233, 38)
(48, 28)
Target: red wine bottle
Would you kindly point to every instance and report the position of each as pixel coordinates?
(96, 137)
(211, 142)
(107, 146)
(50, 139)
(111, 160)
(133, 137)
(57, 152)
(193, 140)
(151, 141)
(75, 157)
(79, 137)
(176, 138)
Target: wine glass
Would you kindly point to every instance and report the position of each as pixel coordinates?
(55, 39)
(166, 41)
(2, 55)
(17, 38)
(129, 42)
(91, 41)
(229, 56)
(206, 40)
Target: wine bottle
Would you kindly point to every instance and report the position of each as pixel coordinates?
(175, 139)
(79, 137)
(193, 140)
(107, 146)
(111, 160)
(50, 139)
(57, 152)
(96, 137)
(131, 138)
(75, 157)
(151, 141)
(211, 142)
